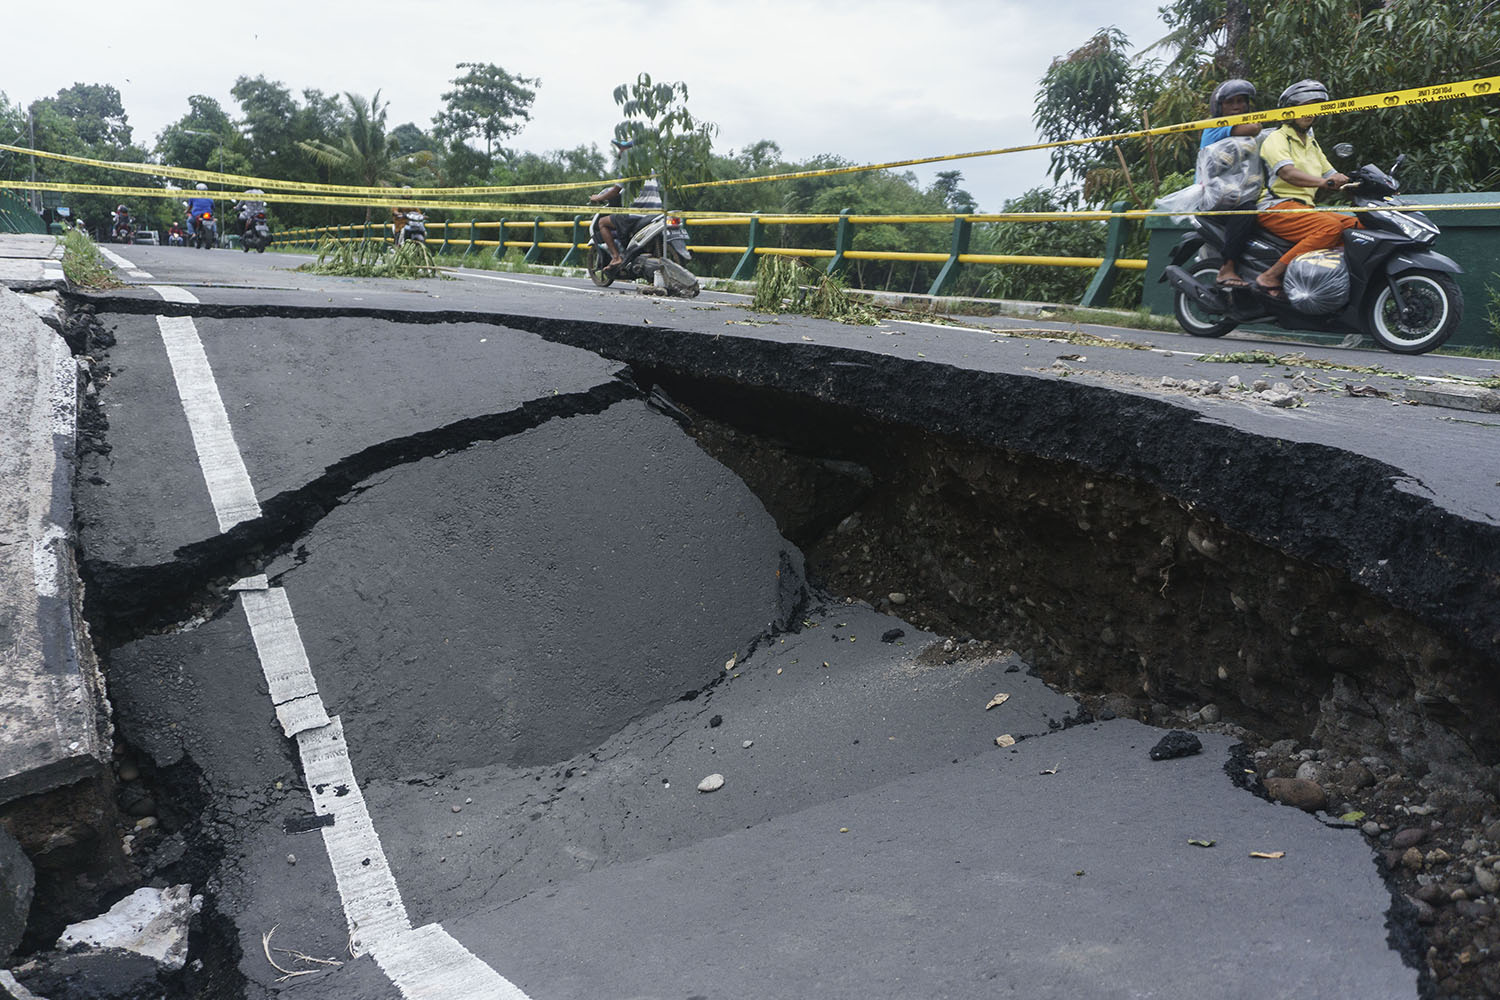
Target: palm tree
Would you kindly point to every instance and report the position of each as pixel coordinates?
(364, 152)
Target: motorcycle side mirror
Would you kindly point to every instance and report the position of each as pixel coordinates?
(1396, 167)
(1344, 150)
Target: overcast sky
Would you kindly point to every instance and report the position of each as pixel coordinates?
(871, 81)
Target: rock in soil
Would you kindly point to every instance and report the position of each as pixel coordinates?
(17, 880)
(1176, 744)
(1305, 795)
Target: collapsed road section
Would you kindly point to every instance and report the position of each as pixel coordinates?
(549, 578)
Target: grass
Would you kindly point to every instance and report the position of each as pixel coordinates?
(82, 263)
(372, 259)
(779, 288)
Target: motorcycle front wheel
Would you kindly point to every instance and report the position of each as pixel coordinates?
(1434, 308)
(597, 259)
(1192, 317)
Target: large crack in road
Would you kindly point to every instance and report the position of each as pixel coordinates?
(544, 622)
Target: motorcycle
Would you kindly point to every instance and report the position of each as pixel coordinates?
(413, 227)
(644, 255)
(1400, 291)
(122, 230)
(257, 234)
(205, 232)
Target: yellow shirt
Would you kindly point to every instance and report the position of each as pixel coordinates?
(1284, 146)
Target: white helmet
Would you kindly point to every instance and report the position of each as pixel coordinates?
(201, 186)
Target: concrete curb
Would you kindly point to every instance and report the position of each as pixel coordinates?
(54, 718)
(1457, 397)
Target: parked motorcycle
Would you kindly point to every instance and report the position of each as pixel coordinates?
(413, 227)
(1399, 290)
(257, 233)
(644, 255)
(205, 232)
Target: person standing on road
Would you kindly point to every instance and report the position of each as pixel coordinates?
(1297, 170)
(1230, 98)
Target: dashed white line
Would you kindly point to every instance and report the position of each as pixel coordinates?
(424, 963)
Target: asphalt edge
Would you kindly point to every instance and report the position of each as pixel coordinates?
(63, 733)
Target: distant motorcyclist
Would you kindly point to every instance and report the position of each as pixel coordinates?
(615, 229)
(175, 235)
(247, 208)
(197, 208)
(120, 227)
(398, 217)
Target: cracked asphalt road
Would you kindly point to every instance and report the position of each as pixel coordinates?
(524, 631)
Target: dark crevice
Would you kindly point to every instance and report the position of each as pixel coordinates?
(1349, 513)
(125, 602)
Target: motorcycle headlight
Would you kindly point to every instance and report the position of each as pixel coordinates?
(1414, 227)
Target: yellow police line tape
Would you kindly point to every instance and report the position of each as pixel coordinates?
(1479, 87)
(727, 218)
(240, 181)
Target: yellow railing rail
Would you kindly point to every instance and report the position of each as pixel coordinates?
(469, 235)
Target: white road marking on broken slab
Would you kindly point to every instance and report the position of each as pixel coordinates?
(425, 963)
(520, 281)
(219, 456)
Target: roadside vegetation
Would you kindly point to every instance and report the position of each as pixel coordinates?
(785, 284)
(82, 263)
(372, 259)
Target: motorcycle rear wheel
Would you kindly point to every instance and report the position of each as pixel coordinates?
(1191, 316)
(1435, 307)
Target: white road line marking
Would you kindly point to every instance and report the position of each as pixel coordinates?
(436, 967)
(424, 963)
(140, 274)
(223, 470)
(174, 294)
(521, 281)
(116, 259)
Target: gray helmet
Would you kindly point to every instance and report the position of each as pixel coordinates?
(1226, 90)
(1304, 92)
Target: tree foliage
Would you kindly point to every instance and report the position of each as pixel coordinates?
(486, 103)
(1353, 46)
(664, 137)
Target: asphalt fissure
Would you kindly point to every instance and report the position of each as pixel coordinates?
(124, 602)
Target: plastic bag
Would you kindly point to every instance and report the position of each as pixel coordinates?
(1317, 282)
(1230, 172)
(1182, 204)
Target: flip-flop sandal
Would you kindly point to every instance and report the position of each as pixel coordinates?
(1275, 294)
(1232, 283)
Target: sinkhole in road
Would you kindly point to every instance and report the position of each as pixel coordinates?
(1128, 598)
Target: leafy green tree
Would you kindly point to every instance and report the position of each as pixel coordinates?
(1361, 47)
(410, 139)
(96, 112)
(364, 155)
(487, 103)
(665, 138)
(83, 120)
(954, 198)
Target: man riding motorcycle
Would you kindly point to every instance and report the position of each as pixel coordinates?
(616, 229)
(197, 208)
(1296, 169)
(247, 207)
